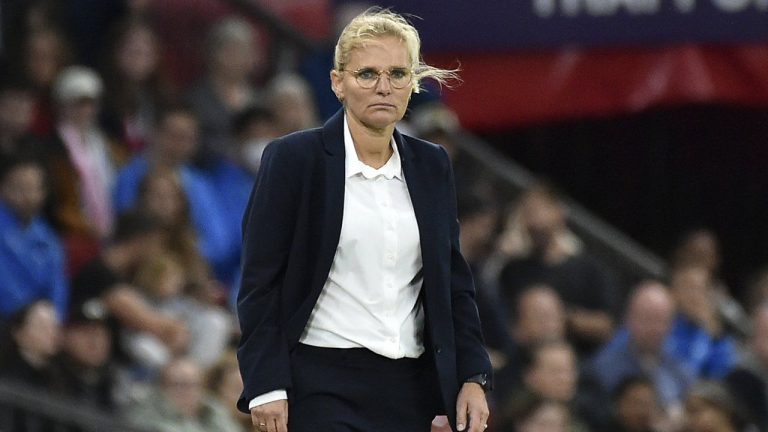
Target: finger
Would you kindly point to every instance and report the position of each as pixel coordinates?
(461, 414)
(272, 425)
(282, 421)
(282, 425)
(477, 419)
(259, 422)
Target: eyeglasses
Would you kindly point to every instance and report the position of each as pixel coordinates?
(368, 77)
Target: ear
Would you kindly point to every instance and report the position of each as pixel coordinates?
(336, 84)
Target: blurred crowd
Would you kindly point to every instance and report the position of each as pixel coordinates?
(123, 185)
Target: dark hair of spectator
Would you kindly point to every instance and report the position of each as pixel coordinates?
(530, 356)
(8, 164)
(251, 114)
(471, 205)
(628, 383)
(134, 224)
(119, 95)
(520, 408)
(173, 109)
(13, 82)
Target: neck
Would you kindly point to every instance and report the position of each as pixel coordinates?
(373, 146)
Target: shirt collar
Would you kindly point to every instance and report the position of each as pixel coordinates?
(353, 165)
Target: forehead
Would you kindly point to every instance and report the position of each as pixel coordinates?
(380, 52)
(24, 172)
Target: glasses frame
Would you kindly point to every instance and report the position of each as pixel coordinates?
(356, 73)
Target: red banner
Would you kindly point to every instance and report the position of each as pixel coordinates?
(506, 90)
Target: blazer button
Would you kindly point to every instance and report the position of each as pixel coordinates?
(438, 349)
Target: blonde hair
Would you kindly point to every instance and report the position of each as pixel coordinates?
(377, 22)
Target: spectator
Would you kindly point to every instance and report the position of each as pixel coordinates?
(162, 196)
(29, 354)
(181, 403)
(17, 103)
(699, 337)
(255, 128)
(478, 222)
(135, 86)
(226, 384)
(700, 248)
(552, 373)
(437, 123)
(162, 281)
(710, 407)
(137, 237)
(32, 259)
(232, 53)
(544, 251)
(233, 176)
(172, 148)
(639, 349)
(88, 374)
(749, 379)
(539, 318)
(635, 406)
(533, 413)
(28, 357)
(46, 53)
(290, 98)
(83, 163)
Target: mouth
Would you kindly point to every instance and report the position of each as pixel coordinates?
(383, 105)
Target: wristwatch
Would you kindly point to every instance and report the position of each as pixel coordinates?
(481, 379)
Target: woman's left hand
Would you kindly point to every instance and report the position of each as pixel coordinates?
(471, 407)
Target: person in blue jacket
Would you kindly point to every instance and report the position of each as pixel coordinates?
(31, 255)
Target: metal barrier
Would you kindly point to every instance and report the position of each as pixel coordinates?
(27, 409)
(612, 246)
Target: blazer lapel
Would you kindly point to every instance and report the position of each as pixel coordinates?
(333, 190)
(423, 206)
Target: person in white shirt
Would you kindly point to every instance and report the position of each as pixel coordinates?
(356, 307)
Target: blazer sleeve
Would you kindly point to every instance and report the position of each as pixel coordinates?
(471, 356)
(268, 227)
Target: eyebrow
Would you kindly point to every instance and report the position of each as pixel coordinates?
(377, 69)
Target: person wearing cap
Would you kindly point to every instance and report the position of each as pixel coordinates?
(82, 165)
(87, 373)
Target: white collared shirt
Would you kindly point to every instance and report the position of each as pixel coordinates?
(371, 297)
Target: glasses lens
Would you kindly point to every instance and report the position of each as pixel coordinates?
(399, 78)
(368, 78)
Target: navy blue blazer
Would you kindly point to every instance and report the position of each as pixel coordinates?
(290, 233)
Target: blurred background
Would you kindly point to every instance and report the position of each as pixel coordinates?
(609, 158)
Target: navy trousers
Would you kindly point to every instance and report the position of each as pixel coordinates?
(356, 390)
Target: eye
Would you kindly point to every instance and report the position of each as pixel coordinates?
(367, 74)
(398, 73)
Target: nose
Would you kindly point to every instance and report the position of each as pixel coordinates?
(383, 85)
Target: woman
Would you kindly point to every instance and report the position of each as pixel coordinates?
(356, 307)
(32, 345)
(136, 86)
